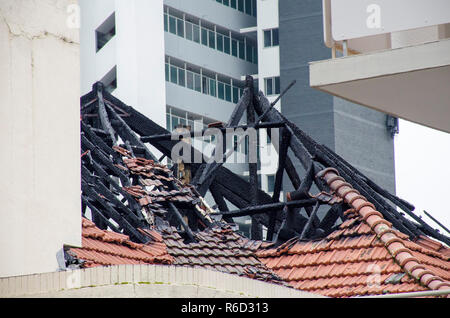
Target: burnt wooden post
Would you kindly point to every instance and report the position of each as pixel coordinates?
(218, 198)
(256, 229)
(282, 154)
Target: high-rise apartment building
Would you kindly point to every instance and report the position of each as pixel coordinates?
(184, 62)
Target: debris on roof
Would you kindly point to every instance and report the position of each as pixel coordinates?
(362, 244)
(221, 249)
(103, 248)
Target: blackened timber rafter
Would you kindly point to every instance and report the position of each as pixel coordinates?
(127, 134)
(288, 165)
(310, 221)
(180, 219)
(267, 208)
(306, 150)
(256, 228)
(128, 227)
(96, 152)
(100, 188)
(104, 120)
(134, 206)
(220, 201)
(282, 156)
(96, 213)
(201, 180)
(169, 136)
(377, 192)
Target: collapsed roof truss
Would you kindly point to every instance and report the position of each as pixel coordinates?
(107, 122)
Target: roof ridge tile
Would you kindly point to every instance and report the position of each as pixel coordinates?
(378, 224)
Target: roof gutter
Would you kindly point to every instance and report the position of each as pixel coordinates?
(411, 295)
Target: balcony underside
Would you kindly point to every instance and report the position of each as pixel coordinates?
(412, 82)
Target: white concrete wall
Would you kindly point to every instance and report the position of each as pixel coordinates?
(40, 134)
(137, 50)
(144, 281)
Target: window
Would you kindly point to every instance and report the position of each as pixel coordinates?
(219, 42)
(248, 7)
(196, 33)
(234, 48)
(212, 39)
(190, 80)
(204, 36)
(212, 87)
(241, 5)
(272, 85)
(275, 40)
(172, 25)
(181, 77)
(205, 85)
(226, 2)
(242, 50)
(166, 27)
(226, 44)
(189, 34)
(105, 32)
(233, 4)
(167, 72)
(227, 93)
(254, 8)
(180, 27)
(174, 74)
(197, 84)
(110, 80)
(271, 38)
(221, 90)
(235, 94)
(249, 55)
(269, 86)
(270, 183)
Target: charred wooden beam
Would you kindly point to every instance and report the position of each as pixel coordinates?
(126, 133)
(437, 222)
(220, 201)
(96, 212)
(330, 218)
(90, 134)
(201, 179)
(200, 133)
(100, 188)
(268, 208)
(180, 219)
(310, 221)
(305, 186)
(104, 120)
(282, 155)
(87, 145)
(134, 206)
(256, 228)
(113, 214)
(275, 101)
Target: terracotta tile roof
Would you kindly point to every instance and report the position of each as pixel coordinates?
(101, 248)
(351, 261)
(413, 263)
(221, 249)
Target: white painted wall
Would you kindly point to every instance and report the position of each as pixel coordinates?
(137, 50)
(40, 134)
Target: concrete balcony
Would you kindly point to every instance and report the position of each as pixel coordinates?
(410, 82)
